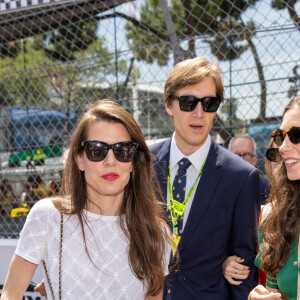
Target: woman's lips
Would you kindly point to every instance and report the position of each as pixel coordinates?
(290, 162)
(110, 176)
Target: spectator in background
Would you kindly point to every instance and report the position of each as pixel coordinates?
(25, 198)
(8, 199)
(244, 146)
(35, 189)
(7, 189)
(54, 186)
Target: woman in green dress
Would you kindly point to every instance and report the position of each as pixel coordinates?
(279, 232)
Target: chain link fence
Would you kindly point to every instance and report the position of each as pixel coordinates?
(58, 55)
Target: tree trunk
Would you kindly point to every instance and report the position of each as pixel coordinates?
(220, 127)
(263, 86)
(190, 25)
(171, 31)
(290, 4)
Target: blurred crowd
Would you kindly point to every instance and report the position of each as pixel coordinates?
(34, 189)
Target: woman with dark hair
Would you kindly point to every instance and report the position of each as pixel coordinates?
(103, 237)
(279, 233)
(233, 269)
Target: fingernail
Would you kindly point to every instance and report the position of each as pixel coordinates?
(241, 283)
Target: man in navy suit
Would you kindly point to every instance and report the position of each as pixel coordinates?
(221, 201)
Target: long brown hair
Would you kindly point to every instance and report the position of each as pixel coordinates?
(144, 225)
(281, 227)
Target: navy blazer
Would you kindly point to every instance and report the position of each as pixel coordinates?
(222, 221)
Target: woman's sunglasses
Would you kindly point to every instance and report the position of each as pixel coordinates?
(279, 135)
(189, 103)
(97, 151)
(273, 154)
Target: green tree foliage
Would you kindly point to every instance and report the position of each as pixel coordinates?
(82, 57)
(66, 43)
(142, 40)
(4, 96)
(226, 36)
(11, 49)
(290, 6)
(279, 4)
(23, 74)
(218, 22)
(51, 65)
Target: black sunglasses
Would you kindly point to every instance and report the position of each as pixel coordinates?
(273, 154)
(97, 151)
(189, 103)
(279, 135)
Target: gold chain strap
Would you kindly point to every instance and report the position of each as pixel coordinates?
(60, 256)
(298, 273)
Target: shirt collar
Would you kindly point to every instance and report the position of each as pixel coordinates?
(197, 158)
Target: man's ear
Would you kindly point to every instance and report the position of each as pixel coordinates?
(79, 162)
(169, 108)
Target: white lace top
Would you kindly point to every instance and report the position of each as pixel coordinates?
(108, 277)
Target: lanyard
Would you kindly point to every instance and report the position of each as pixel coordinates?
(177, 209)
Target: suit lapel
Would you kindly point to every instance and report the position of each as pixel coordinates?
(208, 183)
(162, 166)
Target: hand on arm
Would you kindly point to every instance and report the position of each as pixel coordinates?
(233, 270)
(40, 288)
(262, 293)
(18, 278)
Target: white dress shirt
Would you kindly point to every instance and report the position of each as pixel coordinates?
(197, 158)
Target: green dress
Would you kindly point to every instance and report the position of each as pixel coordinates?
(286, 278)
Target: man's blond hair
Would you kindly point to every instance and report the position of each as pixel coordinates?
(189, 72)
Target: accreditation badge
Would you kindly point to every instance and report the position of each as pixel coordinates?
(178, 207)
(175, 239)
